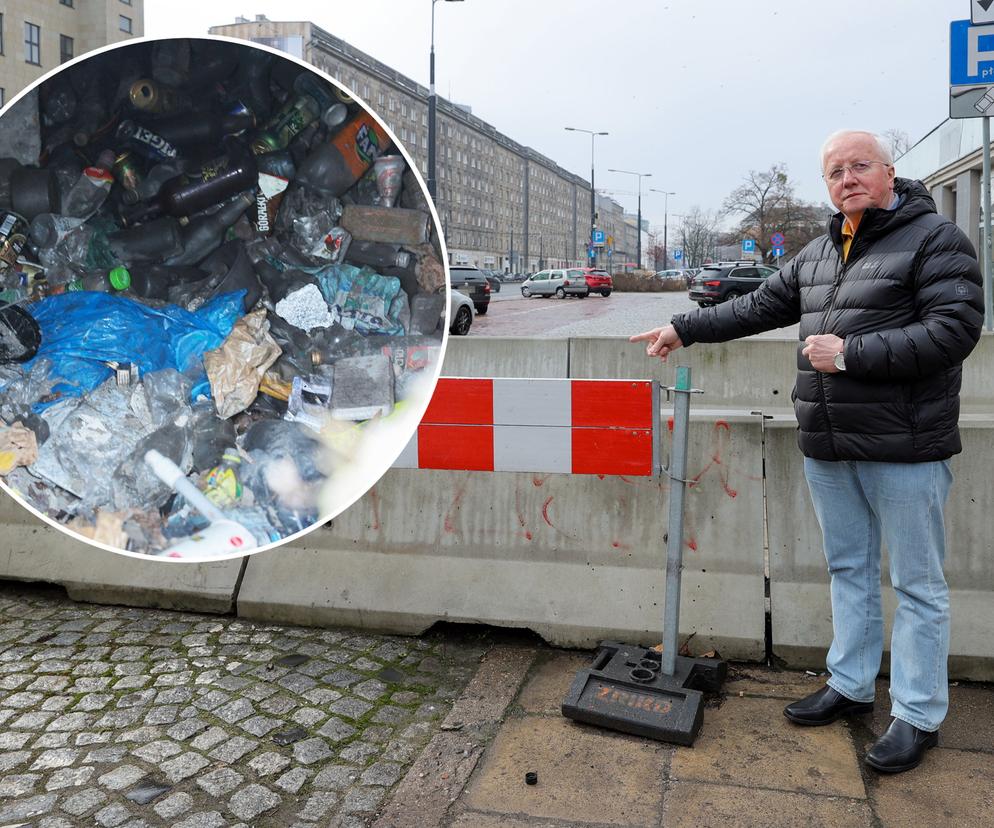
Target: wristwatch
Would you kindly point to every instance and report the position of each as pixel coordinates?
(840, 361)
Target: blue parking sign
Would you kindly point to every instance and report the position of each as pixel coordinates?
(677, 254)
(598, 237)
(748, 245)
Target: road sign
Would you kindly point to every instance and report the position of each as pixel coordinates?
(981, 12)
(598, 238)
(778, 252)
(778, 238)
(971, 54)
(748, 245)
(678, 253)
(971, 101)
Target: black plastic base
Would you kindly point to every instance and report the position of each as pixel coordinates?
(624, 689)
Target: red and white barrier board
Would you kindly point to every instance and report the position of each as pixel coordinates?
(567, 426)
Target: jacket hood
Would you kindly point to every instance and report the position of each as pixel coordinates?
(915, 201)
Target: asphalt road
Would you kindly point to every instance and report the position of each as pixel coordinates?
(620, 314)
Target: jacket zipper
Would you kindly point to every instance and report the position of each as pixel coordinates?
(836, 282)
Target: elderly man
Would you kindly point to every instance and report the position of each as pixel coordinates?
(889, 305)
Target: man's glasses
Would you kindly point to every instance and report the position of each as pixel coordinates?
(860, 168)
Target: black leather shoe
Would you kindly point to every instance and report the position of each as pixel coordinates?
(901, 748)
(824, 707)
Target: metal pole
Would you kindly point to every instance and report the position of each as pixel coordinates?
(674, 540)
(638, 231)
(431, 109)
(593, 208)
(666, 250)
(986, 196)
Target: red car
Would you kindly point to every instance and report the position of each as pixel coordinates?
(598, 281)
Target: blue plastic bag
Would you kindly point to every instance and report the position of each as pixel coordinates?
(81, 332)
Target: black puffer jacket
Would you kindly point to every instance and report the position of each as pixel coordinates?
(907, 302)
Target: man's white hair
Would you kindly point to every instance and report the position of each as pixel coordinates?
(883, 148)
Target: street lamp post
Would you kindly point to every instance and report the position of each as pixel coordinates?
(638, 230)
(593, 206)
(666, 205)
(431, 103)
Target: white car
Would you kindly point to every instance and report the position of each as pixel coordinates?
(462, 314)
(558, 283)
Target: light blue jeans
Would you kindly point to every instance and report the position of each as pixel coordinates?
(857, 504)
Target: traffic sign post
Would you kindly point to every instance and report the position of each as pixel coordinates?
(748, 245)
(677, 254)
(971, 95)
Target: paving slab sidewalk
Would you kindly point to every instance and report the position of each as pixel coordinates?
(749, 766)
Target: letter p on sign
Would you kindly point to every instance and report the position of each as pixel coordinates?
(975, 55)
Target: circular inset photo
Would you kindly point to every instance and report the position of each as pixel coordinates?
(224, 304)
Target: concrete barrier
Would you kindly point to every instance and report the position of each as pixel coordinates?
(495, 356)
(575, 558)
(801, 606)
(35, 551)
(428, 545)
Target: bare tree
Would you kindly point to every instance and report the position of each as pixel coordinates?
(654, 250)
(698, 235)
(898, 141)
(760, 200)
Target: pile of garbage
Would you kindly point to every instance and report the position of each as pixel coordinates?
(216, 273)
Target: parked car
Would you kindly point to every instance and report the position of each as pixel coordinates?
(473, 283)
(558, 283)
(722, 281)
(689, 273)
(669, 274)
(462, 314)
(598, 281)
(494, 280)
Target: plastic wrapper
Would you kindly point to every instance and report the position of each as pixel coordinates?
(82, 332)
(89, 439)
(165, 390)
(237, 367)
(134, 483)
(18, 447)
(361, 299)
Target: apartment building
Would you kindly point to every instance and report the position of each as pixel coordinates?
(38, 35)
(502, 205)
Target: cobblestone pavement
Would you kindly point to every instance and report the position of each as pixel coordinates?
(113, 716)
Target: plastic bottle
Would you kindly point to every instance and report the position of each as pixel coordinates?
(309, 101)
(91, 189)
(112, 281)
(204, 235)
(335, 166)
(149, 242)
(185, 195)
(221, 484)
(200, 128)
(48, 229)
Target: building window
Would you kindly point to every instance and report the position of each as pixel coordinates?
(126, 2)
(32, 44)
(65, 48)
(3, 96)
(68, 3)
(1, 33)
(124, 23)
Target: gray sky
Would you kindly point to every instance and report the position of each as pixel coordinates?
(695, 92)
